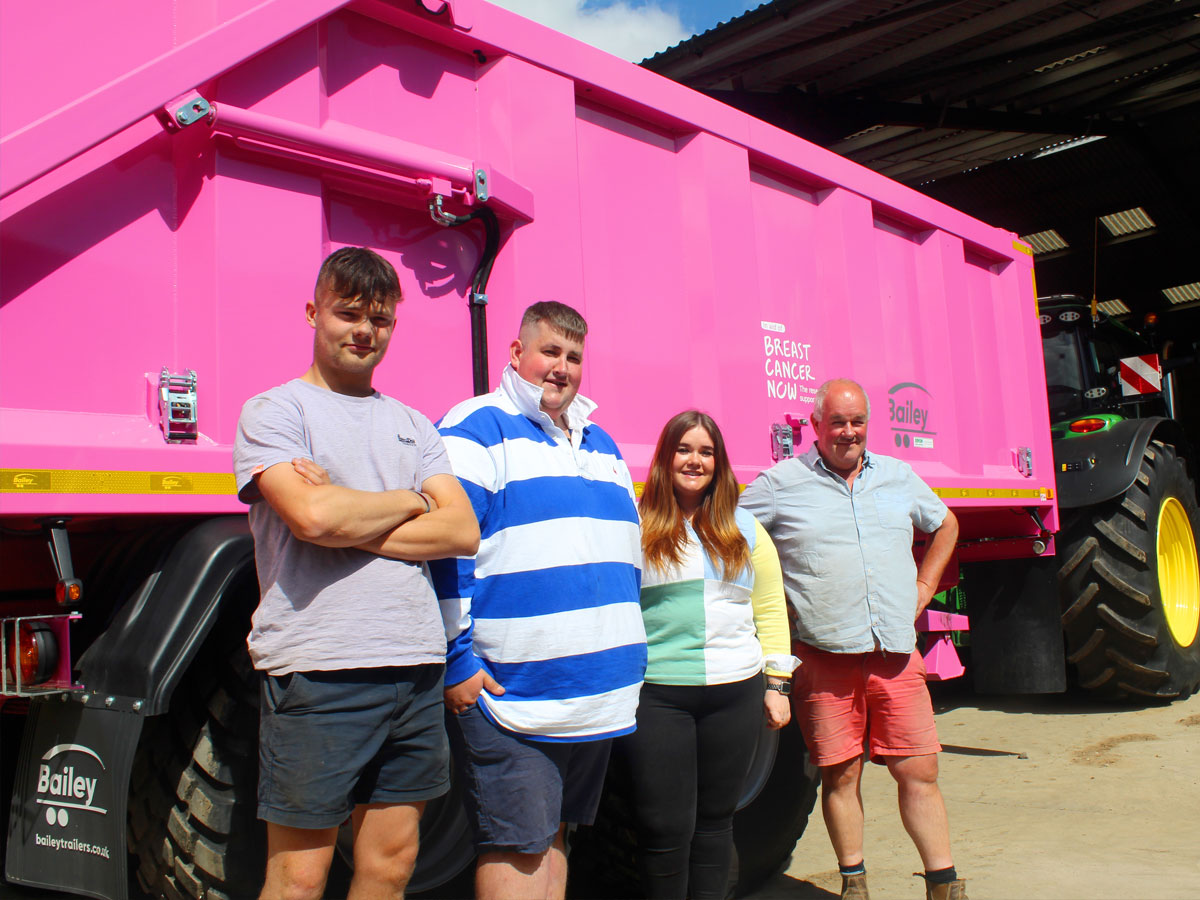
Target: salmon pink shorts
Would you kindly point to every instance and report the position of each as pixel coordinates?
(851, 703)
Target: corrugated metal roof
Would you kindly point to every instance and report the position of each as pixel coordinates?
(963, 99)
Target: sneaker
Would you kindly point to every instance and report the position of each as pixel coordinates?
(854, 887)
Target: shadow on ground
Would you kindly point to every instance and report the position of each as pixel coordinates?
(959, 694)
(787, 887)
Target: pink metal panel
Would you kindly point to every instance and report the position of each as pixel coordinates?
(636, 249)
(165, 71)
(720, 262)
(526, 120)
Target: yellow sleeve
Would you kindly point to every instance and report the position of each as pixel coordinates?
(770, 606)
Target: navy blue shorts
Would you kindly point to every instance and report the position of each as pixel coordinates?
(331, 740)
(518, 790)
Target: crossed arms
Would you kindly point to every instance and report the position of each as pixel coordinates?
(387, 523)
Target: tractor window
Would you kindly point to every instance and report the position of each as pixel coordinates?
(1064, 375)
(1107, 357)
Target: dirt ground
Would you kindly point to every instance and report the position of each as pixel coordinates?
(1048, 797)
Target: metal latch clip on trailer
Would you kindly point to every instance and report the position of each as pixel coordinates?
(784, 436)
(177, 406)
(1023, 460)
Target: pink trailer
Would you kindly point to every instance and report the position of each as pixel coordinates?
(168, 187)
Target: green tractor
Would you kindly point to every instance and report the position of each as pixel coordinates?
(1118, 606)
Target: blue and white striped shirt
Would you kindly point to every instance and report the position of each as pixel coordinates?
(549, 604)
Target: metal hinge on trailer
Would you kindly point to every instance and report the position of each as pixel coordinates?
(177, 406)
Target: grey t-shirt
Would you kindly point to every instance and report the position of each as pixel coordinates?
(325, 608)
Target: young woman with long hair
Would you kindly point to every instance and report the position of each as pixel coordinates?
(713, 605)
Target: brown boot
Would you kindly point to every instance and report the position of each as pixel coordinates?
(955, 890)
(854, 887)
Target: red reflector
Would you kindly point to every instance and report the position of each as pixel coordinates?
(1083, 426)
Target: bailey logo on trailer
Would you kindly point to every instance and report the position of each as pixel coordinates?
(909, 406)
(1141, 375)
(64, 786)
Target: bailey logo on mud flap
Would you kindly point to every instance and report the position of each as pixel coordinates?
(67, 825)
(63, 788)
(909, 407)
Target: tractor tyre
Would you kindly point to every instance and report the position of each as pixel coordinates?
(1130, 588)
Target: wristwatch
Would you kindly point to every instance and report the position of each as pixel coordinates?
(784, 687)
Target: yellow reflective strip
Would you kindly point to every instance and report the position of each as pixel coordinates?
(89, 481)
(952, 493)
(994, 493)
(1022, 247)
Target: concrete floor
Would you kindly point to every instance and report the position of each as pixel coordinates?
(1048, 797)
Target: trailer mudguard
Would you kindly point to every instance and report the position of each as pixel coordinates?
(1092, 468)
(68, 820)
(66, 829)
(1016, 633)
(157, 631)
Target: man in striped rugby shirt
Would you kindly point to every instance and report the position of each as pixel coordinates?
(546, 644)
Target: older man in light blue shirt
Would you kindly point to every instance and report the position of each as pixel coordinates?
(842, 520)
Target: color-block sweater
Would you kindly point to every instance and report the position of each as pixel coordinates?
(705, 628)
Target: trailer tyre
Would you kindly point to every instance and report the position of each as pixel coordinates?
(1130, 587)
(192, 823)
(193, 827)
(765, 830)
(766, 827)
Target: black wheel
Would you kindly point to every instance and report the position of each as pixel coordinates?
(192, 825)
(445, 869)
(1130, 589)
(771, 821)
(778, 798)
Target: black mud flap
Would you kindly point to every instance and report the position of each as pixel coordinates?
(66, 830)
(1016, 634)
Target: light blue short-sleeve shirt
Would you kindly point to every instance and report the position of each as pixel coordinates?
(846, 551)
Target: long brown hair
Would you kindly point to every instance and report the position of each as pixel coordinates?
(664, 534)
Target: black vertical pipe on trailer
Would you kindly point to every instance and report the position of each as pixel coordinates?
(477, 299)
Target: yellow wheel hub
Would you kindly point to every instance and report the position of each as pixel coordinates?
(1178, 572)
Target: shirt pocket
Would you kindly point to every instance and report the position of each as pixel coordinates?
(811, 563)
(892, 510)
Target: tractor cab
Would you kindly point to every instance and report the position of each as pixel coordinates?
(1083, 356)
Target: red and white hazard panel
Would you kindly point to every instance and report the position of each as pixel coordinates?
(1141, 375)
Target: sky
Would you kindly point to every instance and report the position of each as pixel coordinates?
(631, 29)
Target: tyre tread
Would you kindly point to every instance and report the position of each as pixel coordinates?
(1117, 641)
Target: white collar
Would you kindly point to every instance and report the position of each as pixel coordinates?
(528, 399)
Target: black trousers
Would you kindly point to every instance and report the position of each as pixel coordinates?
(689, 757)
